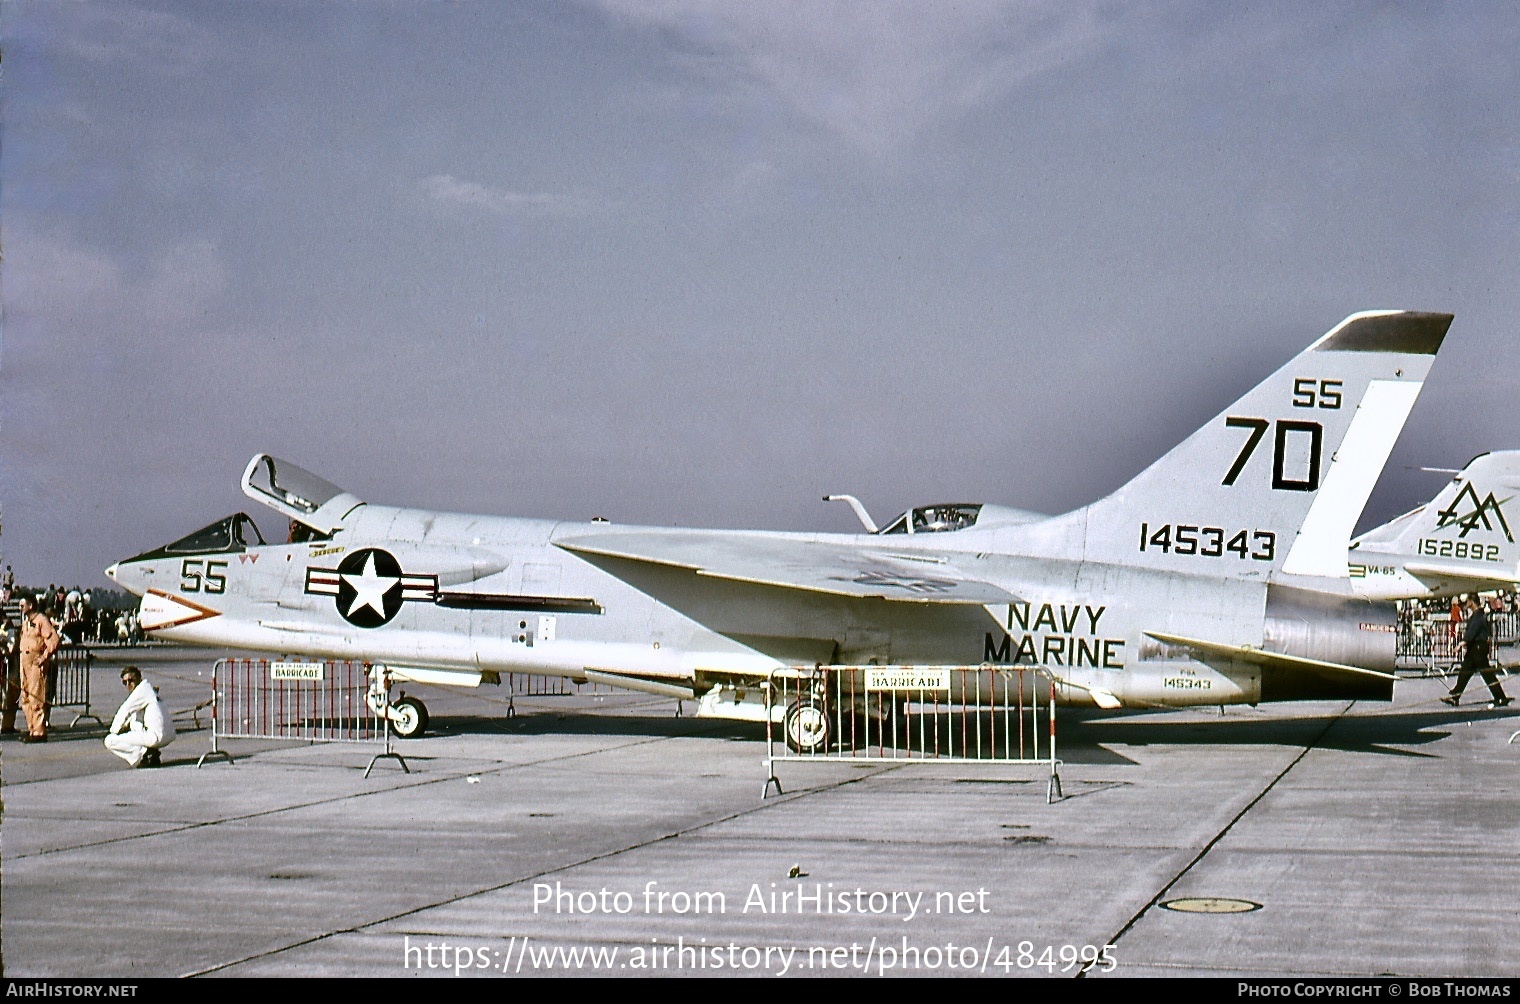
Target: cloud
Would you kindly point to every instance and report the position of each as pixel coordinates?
(151, 40)
(446, 188)
(875, 74)
(60, 293)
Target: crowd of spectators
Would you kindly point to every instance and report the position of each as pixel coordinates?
(1431, 625)
(76, 613)
(1450, 608)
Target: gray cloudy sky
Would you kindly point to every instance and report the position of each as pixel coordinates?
(699, 263)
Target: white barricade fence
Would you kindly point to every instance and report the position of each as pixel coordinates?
(912, 714)
(314, 700)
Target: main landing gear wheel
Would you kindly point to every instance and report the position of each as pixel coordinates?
(807, 726)
(411, 718)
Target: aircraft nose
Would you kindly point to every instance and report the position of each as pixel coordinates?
(133, 576)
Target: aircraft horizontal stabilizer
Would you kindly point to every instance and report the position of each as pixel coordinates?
(790, 563)
(1270, 660)
(1446, 579)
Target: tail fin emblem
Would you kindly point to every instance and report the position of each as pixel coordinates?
(1469, 521)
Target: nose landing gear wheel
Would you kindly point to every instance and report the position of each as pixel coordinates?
(807, 726)
(411, 720)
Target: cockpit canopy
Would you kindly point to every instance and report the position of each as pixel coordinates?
(226, 536)
(316, 503)
(940, 518)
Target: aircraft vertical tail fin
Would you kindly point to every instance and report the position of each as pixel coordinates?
(1462, 539)
(1278, 480)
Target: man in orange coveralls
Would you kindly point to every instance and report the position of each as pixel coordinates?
(39, 640)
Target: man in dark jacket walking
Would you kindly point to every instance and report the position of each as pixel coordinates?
(1475, 643)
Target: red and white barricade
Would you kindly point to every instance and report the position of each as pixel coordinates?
(315, 700)
(1434, 644)
(912, 714)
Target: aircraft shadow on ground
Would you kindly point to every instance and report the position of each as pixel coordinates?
(569, 724)
(1083, 737)
(1380, 734)
(634, 726)
(553, 723)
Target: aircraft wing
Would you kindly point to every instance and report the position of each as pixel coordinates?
(1272, 660)
(789, 563)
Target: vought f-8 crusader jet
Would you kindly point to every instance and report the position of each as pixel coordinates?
(1219, 575)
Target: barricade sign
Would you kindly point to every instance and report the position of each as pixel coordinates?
(315, 700)
(69, 682)
(911, 714)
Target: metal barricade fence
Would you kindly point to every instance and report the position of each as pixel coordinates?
(1429, 646)
(542, 685)
(326, 700)
(69, 682)
(1506, 625)
(911, 714)
(1434, 644)
(538, 685)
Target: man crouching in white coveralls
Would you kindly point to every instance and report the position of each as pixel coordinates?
(140, 727)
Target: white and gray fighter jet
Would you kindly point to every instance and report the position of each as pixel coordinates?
(1219, 575)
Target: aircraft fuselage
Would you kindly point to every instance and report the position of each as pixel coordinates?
(489, 595)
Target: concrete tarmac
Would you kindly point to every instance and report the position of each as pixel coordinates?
(600, 834)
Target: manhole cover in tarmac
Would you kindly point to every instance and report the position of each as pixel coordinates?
(1210, 904)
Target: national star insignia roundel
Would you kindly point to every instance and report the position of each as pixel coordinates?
(369, 587)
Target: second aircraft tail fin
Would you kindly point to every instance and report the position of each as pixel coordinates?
(1462, 540)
